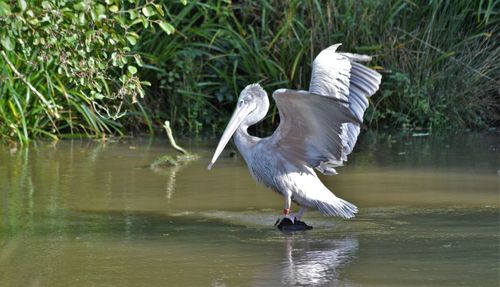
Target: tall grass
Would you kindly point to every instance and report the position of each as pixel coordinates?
(444, 66)
(439, 61)
(438, 58)
(22, 116)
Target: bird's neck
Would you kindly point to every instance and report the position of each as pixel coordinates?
(242, 137)
(244, 141)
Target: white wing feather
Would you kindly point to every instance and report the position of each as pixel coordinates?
(338, 75)
(310, 130)
(320, 127)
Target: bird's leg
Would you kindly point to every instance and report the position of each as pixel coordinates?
(301, 213)
(286, 210)
(293, 216)
(293, 223)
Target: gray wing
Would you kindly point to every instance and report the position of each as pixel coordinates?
(339, 76)
(320, 127)
(310, 130)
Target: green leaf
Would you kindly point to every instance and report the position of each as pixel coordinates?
(132, 69)
(131, 40)
(148, 11)
(159, 8)
(81, 18)
(46, 5)
(98, 96)
(169, 29)
(22, 4)
(100, 12)
(138, 60)
(4, 9)
(184, 2)
(113, 8)
(79, 6)
(133, 14)
(121, 20)
(141, 91)
(145, 21)
(7, 42)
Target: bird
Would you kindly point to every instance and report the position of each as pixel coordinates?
(317, 131)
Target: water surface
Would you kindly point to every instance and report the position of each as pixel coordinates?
(87, 213)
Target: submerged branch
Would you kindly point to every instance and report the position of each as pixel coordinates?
(170, 161)
(166, 125)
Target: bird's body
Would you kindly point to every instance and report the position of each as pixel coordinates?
(291, 180)
(318, 129)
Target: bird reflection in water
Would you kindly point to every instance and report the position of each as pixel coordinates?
(316, 263)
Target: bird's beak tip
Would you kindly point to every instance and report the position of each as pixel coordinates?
(210, 166)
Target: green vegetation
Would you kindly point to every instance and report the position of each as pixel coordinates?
(439, 60)
(69, 66)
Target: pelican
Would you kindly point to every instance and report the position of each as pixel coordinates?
(318, 130)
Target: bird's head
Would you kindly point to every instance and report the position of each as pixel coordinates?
(251, 108)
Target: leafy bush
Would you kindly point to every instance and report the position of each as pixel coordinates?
(69, 66)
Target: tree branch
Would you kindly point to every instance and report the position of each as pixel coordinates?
(52, 110)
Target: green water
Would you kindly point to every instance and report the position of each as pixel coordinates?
(84, 213)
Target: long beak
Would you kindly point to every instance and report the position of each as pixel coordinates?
(238, 116)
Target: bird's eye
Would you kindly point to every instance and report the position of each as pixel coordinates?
(240, 103)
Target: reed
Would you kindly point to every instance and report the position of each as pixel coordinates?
(438, 58)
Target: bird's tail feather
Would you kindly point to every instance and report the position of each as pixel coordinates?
(336, 207)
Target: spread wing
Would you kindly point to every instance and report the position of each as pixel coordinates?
(310, 130)
(320, 127)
